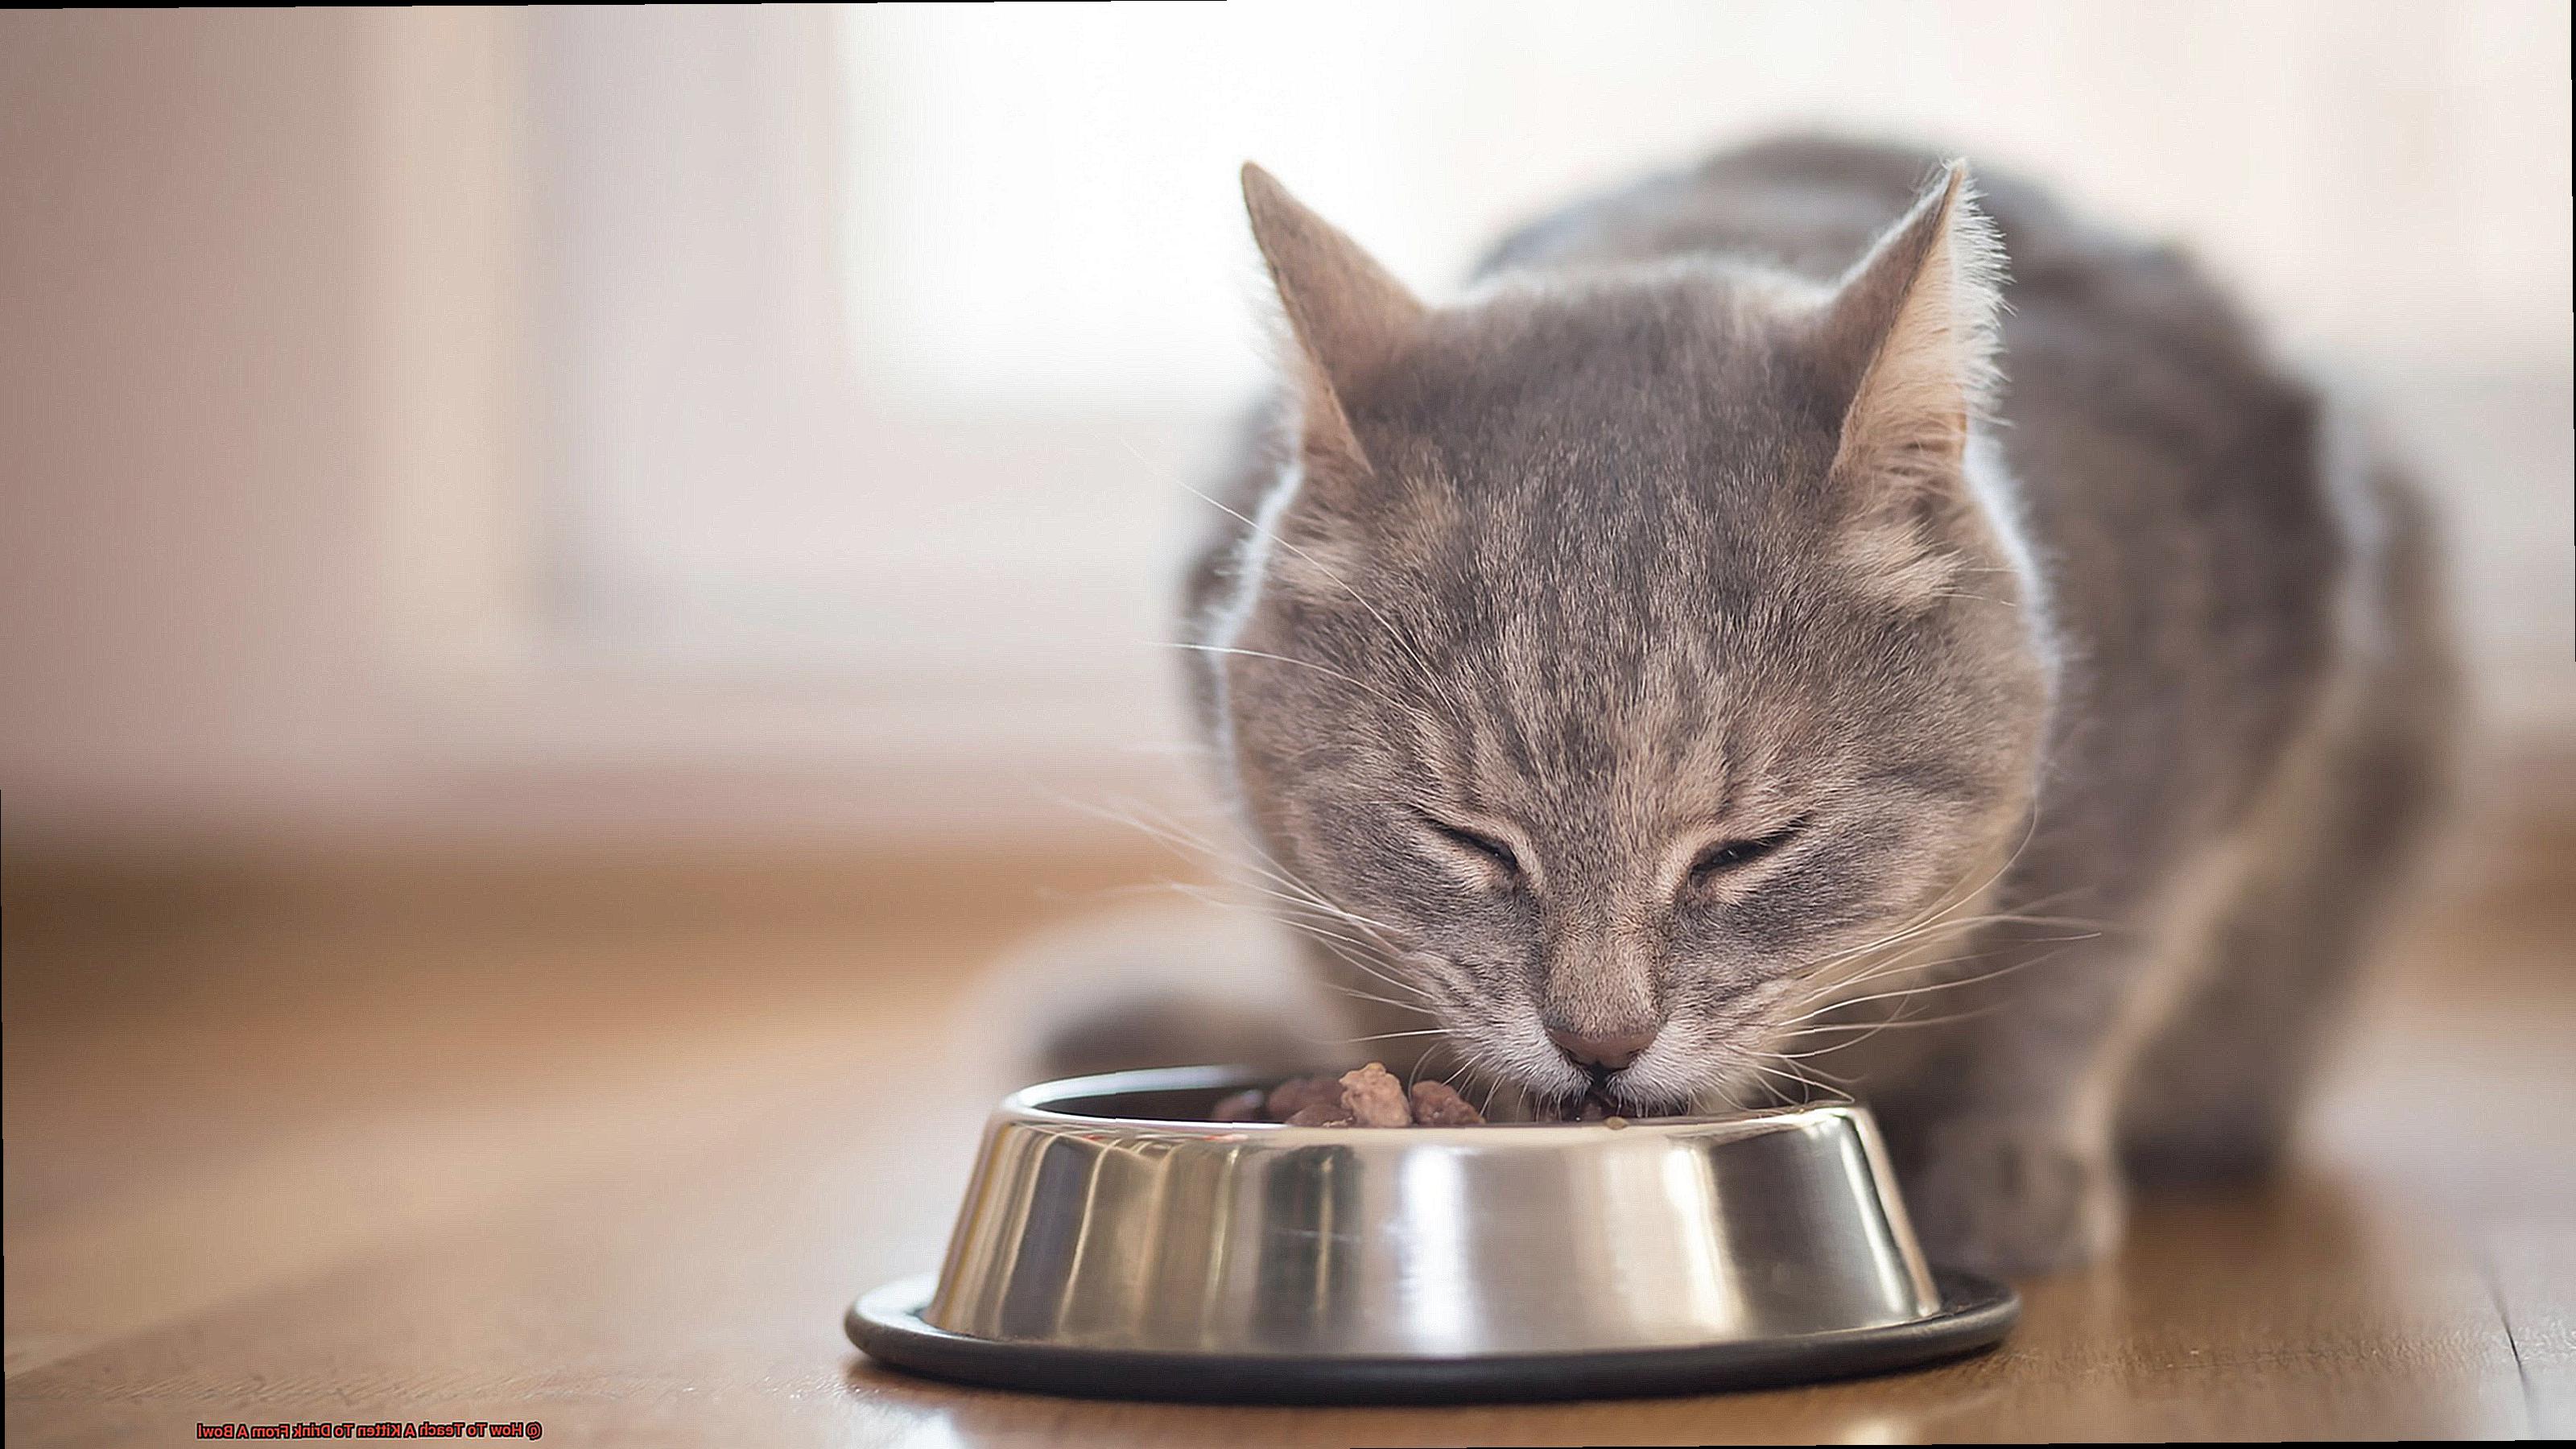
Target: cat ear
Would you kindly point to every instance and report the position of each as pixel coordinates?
(1913, 328)
(1349, 318)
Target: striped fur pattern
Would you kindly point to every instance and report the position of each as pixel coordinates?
(1726, 621)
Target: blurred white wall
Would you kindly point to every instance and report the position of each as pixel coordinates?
(721, 422)
(188, 621)
(1044, 212)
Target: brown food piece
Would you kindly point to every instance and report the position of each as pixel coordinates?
(1374, 1098)
(1437, 1104)
(1369, 1097)
(1245, 1106)
(1298, 1093)
(1321, 1114)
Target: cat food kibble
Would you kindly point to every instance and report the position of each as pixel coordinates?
(1437, 1104)
(1299, 1093)
(1375, 1099)
(1369, 1097)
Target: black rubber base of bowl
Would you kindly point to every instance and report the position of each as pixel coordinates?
(1975, 1314)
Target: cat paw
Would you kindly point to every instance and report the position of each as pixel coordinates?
(2008, 1202)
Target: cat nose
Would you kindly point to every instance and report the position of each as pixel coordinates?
(1609, 1051)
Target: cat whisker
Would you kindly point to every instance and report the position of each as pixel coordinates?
(1208, 896)
(1951, 923)
(1806, 1074)
(1910, 957)
(1346, 956)
(1951, 901)
(1432, 678)
(1269, 867)
(1901, 1016)
(1173, 834)
(1391, 1036)
(1380, 1000)
(1425, 1001)
(1828, 991)
(1813, 1004)
(1309, 910)
(1312, 927)
(1281, 659)
(1867, 1029)
(1293, 911)
(1928, 926)
(1930, 987)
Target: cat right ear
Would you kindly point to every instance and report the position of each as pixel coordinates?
(1349, 318)
(1913, 329)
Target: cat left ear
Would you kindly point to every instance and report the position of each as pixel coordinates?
(1913, 325)
(1350, 318)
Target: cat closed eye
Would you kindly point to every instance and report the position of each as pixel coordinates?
(1728, 855)
(1476, 843)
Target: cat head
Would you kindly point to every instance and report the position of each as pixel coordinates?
(1626, 647)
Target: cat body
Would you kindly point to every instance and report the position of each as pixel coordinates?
(1724, 648)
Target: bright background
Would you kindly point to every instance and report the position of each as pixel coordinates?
(756, 424)
(567, 577)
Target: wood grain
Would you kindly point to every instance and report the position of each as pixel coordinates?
(609, 1146)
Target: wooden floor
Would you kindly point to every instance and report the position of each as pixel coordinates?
(609, 1147)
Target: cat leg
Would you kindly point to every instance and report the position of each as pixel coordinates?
(2003, 1129)
(2004, 1139)
(2196, 1064)
(2217, 1093)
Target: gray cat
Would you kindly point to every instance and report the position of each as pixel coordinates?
(1681, 668)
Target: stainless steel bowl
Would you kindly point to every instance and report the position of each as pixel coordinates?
(1113, 1242)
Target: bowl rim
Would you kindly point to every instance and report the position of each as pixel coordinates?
(1037, 1105)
